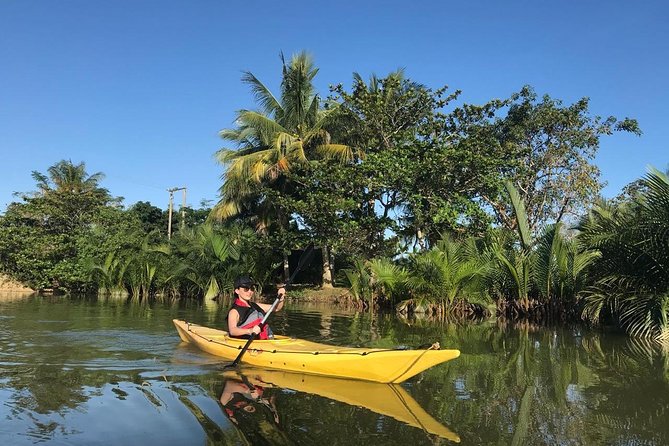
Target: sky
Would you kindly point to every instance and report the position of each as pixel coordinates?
(139, 89)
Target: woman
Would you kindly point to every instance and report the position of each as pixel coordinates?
(245, 316)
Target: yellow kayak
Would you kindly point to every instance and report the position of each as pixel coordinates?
(386, 399)
(297, 355)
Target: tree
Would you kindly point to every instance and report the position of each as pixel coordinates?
(384, 120)
(632, 274)
(152, 218)
(286, 131)
(66, 177)
(41, 237)
(69, 193)
(545, 149)
(560, 266)
(446, 272)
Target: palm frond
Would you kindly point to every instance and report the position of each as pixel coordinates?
(339, 152)
(262, 95)
(262, 127)
(521, 215)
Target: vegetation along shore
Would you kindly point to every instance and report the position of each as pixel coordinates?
(416, 201)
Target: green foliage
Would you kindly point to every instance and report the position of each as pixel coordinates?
(560, 265)
(521, 221)
(500, 177)
(545, 149)
(395, 170)
(212, 259)
(513, 270)
(632, 275)
(388, 280)
(151, 217)
(446, 272)
(360, 281)
(41, 237)
(327, 207)
(286, 132)
(110, 275)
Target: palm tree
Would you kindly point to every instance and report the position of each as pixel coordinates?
(110, 274)
(513, 268)
(66, 177)
(514, 262)
(360, 281)
(633, 271)
(560, 265)
(212, 257)
(285, 131)
(71, 194)
(448, 271)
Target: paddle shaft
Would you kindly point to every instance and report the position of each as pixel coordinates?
(307, 253)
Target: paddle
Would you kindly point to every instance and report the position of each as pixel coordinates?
(303, 260)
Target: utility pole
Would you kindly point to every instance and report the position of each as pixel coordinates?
(183, 210)
(169, 213)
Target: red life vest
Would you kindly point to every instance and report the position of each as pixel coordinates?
(250, 315)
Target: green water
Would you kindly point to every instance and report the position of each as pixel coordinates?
(109, 372)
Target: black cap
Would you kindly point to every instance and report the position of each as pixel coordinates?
(244, 281)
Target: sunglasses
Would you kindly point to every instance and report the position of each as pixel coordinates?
(245, 288)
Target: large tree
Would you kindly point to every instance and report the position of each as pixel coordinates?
(41, 238)
(546, 149)
(70, 193)
(385, 119)
(284, 132)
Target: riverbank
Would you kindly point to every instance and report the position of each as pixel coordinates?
(8, 285)
(313, 294)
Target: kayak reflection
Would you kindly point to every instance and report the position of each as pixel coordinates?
(253, 387)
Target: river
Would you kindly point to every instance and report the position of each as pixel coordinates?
(103, 371)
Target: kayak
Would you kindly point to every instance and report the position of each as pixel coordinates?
(297, 355)
(385, 399)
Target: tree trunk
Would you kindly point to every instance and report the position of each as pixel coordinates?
(327, 271)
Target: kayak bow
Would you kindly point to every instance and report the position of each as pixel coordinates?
(297, 355)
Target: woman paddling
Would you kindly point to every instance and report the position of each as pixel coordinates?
(245, 316)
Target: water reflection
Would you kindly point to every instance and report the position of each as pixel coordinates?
(105, 371)
(558, 386)
(250, 391)
(252, 409)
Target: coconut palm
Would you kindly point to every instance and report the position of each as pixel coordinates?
(287, 130)
(283, 132)
(66, 177)
(71, 194)
(633, 272)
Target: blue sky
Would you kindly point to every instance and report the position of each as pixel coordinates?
(139, 89)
